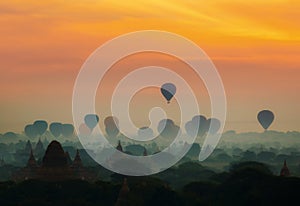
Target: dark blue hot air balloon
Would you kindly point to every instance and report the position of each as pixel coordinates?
(265, 118)
(168, 90)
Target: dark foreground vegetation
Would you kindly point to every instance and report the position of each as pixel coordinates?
(247, 183)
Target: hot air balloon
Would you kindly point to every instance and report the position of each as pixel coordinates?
(197, 126)
(203, 124)
(265, 118)
(145, 132)
(55, 129)
(214, 125)
(91, 120)
(41, 126)
(190, 129)
(31, 131)
(167, 128)
(111, 126)
(110, 120)
(84, 130)
(67, 130)
(168, 90)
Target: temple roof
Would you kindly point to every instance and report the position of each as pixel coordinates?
(122, 198)
(285, 170)
(119, 147)
(39, 145)
(145, 153)
(77, 160)
(28, 146)
(31, 161)
(54, 156)
(68, 158)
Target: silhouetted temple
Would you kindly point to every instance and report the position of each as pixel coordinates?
(55, 166)
(69, 160)
(31, 163)
(145, 153)
(39, 148)
(123, 195)
(119, 147)
(28, 147)
(285, 172)
(78, 168)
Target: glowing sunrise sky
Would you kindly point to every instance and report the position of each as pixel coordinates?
(255, 46)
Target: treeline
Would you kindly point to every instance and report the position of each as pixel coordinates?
(247, 183)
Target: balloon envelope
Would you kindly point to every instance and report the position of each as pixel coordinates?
(91, 120)
(167, 128)
(190, 129)
(203, 124)
(168, 90)
(84, 130)
(111, 126)
(145, 132)
(110, 120)
(30, 131)
(213, 125)
(112, 131)
(55, 129)
(41, 126)
(265, 118)
(67, 130)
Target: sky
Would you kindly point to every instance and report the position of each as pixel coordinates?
(254, 45)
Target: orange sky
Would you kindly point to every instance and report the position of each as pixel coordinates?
(254, 45)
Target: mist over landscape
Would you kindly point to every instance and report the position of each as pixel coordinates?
(132, 103)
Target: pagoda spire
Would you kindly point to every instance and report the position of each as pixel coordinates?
(119, 147)
(123, 194)
(31, 161)
(77, 160)
(28, 147)
(285, 172)
(145, 153)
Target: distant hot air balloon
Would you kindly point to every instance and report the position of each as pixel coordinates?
(168, 90)
(265, 118)
(84, 130)
(199, 125)
(203, 124)
(67, 130)
(31, 131)
(167, 128)
(111, 126)
(214, 125)
(145, 132)
(91, 120)
(110, 120)
(190, 129)
(41, 126)
(55, 129)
